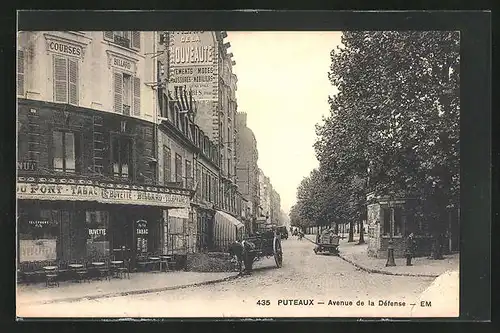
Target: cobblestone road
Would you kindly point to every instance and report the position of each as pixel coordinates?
(304, 276)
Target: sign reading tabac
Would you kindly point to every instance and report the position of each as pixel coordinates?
(103, 194)
(194, 62)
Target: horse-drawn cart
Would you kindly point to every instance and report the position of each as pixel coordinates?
(254, 248)
(327, 243)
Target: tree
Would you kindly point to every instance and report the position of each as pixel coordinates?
(394, 122)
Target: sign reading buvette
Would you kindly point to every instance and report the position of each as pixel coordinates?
(77, 192)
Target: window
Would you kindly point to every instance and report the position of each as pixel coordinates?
(127, 94)
(205, 186)
(128, 39)
(398, 217)
(199, 184)
(20, 72)
(178, 168)
(167, 165)
(65, 80)
(64, 151)
(386, 223)
(209, 181)
(121, 158)
(189, 176)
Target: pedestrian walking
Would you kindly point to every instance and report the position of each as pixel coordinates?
(410, 247)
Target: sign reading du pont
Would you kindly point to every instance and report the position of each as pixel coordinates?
(99, 193)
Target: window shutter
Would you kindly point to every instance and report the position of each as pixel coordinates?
(137, 96)
(60, 80)
(108, 35)
(73, 81)
(136, 40)
(20, 72)
(118, 89)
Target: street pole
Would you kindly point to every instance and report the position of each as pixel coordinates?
(390, 248)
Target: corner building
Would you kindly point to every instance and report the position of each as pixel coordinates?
(87, 182)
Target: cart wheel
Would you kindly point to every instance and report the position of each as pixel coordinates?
(278, 252)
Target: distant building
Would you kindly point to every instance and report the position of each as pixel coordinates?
(247, 170)
(275, 214)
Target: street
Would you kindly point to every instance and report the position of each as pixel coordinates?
(305, 278)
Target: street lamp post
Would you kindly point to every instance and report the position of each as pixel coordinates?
(390, 248)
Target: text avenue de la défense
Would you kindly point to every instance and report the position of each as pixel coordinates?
(341, 303)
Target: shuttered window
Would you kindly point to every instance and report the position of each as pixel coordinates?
(73, 81)
(136, 40)
(167, 165)
(118, 91)
(20, 72)
(65, 80)
(178, 168)
(127, 94)
(137, 96)
(124, 38)
(189, 176)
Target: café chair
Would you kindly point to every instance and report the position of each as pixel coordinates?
(124, 269)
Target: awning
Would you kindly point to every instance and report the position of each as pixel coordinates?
(225, 217)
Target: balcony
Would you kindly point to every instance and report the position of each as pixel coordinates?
(126, 110)
(122, 41)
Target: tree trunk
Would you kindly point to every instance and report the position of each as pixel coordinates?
(351, 232)
(361, 234)
(336, 228)
(438, 230)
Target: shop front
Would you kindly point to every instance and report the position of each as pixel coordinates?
(65, 221)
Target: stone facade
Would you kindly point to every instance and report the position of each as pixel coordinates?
(247, 170)
(381, 224)
(275, 208)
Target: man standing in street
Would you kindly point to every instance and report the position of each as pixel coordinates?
(409, 252)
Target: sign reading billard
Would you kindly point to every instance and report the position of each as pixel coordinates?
(73, 192)
(122, 64)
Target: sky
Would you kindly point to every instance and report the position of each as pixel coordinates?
(283, 87)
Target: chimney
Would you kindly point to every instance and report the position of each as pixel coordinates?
(242, 119)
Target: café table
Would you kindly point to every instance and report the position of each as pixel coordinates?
(115, 267)
(79, 273)
(50, 268)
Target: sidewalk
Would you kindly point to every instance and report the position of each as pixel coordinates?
(422, 267)
(139, 283)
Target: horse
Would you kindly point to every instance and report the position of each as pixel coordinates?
(242, 252)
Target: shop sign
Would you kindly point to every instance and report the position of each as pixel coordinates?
(57, 192)
(65, 48)
(37, 250)
(41, 223)
(69, 192)
(27, 166)
(194, 63)
(121, 63)
(97, 232)
(141, 227)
